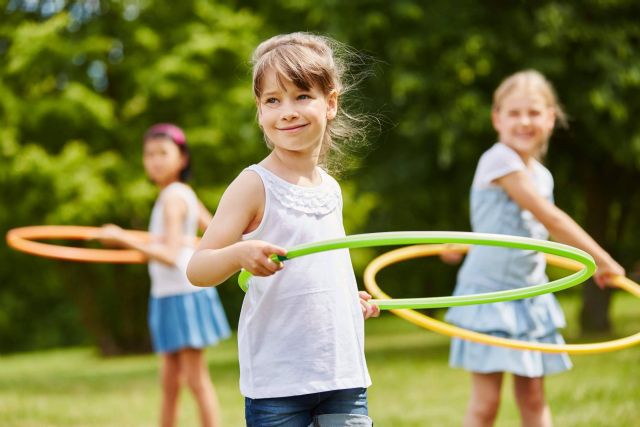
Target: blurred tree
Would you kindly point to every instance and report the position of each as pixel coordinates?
(81, 80)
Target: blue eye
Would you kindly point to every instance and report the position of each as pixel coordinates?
(304, 96)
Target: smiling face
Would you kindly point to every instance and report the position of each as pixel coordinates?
(163, 161)
(524, 121)
(292, 118)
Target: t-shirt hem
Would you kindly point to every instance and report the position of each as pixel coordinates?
(300, 389)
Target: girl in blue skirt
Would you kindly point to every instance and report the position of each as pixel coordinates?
(512, 193)
(183, 319)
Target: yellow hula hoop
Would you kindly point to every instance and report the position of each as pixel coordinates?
(432, 324)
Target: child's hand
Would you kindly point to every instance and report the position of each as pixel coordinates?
(255, 257)
(450, 255)
(606, 271)
(368, 309)
(111, 235)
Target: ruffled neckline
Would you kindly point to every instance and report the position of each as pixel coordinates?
(318, 200)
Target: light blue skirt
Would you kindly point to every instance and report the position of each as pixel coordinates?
(536, 319)
(194, 320)
(485, 359)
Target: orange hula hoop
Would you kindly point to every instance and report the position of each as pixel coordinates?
(22, 239)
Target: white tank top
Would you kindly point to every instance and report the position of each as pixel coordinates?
(301, 330)
(167, 280)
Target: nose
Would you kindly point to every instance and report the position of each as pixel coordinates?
(289, 112)
(525, 119)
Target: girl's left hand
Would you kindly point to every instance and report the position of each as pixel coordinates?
(111, 234)
(368, 309)
(606, 271)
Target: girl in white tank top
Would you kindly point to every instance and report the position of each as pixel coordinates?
(183, 319)
(301, 334)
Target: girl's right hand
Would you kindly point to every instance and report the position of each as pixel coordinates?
(255, 257)
(451, 257)
(452, 254)
(607, 269)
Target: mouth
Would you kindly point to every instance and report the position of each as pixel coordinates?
(292, 128)
(525, 135)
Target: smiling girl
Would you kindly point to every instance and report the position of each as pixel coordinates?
(512, 193)
(183, 319)
(301, 330)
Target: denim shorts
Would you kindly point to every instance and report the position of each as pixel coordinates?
(337, 408)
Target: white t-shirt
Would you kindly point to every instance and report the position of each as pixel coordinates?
(167, 280)
(301, 330)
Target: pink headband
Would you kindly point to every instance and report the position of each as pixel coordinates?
(172, 131)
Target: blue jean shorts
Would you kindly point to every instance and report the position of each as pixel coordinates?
(337, 408)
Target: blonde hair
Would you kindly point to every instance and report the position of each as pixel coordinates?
(534, 81)
(307, 61)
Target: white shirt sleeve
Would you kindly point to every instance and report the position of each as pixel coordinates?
(495, 163)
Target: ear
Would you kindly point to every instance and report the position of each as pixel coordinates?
(495, 119)
(185, 160)
(332, 105)
(552, 118)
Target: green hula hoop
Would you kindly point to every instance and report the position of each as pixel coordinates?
(421, 237)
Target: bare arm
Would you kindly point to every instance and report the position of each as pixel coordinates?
(561, 226)
(204, 216)
(167, 250)
(221, 251)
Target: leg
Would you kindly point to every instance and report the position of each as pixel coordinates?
(170, 379)
(193, 364)
(529, 393)
(485, 399)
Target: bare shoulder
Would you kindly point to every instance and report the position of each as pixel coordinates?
(240, 204)
(247, 185)
(245, 196)
(173, 201)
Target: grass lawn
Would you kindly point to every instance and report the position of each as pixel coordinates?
(413, 385)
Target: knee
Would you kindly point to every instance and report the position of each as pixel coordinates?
(171, 384)
(198, 381)
(171, 379)
(485, 409)
(533, 403)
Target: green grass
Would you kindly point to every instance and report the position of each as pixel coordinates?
(412, 384)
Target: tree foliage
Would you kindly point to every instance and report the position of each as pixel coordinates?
(81, 80)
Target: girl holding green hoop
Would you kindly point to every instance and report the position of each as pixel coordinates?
(512, 194)
(301, 329)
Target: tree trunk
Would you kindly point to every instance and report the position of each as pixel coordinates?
(594, 314)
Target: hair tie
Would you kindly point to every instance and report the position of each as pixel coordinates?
(167, 129)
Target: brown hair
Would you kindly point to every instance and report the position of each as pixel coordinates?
(531, 80)
(309, 60)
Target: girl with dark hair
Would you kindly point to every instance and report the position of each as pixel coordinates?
(183, 319)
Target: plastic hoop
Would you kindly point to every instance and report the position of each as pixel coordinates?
(22, 240)
(413, 237)
(432, 324)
